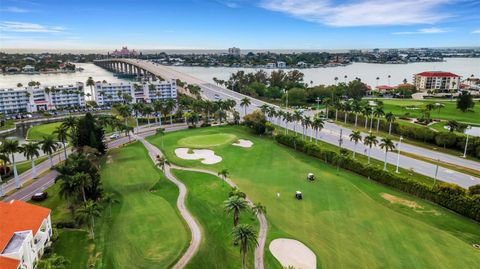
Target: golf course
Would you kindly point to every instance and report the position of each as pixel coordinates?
(346, 220)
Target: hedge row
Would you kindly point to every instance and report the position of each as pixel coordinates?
(421, 133)
(447, 195)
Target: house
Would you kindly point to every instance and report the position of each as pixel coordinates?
(271, 65)
(384, 89)
(28, 68)
(25, 231)
(281, 64)
(436, 81)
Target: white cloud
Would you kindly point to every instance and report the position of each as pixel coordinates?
(432, 30)
(26, 27)
(476, 31)
(361, 12)
(14, 10)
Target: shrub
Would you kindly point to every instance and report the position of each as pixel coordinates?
(256, 121)
(475, 189)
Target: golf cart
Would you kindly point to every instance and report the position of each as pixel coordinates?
(311, 177)
(298, 195)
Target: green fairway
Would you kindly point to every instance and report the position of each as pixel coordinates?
(145, 230)
(200, 141)
(412, 109)
(347, 220)
(37, 132)
(206, 194)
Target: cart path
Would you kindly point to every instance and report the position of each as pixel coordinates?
(191, 222)
(262, 233)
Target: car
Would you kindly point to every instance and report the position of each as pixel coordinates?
(114, 136)
(40, 196)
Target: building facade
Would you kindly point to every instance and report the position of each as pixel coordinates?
(25, 232)
(436, 81)
(234, 51)
(146, 92)
(41, 98)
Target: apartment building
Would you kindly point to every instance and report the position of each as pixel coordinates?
(436, 81)
(147, 92)
(41, 98)
(25, 232)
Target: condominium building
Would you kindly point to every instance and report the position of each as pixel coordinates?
(25, 231)
(234, 51)
(436, 81)
(147, 92)
(41, 98)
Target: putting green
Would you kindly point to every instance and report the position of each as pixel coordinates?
(206, 141)
(345, 219)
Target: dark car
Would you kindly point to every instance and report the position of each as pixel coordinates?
(40, 196)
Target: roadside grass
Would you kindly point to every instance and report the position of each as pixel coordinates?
(24, 166)
(8, 124)
(37, 132)
(205, 197)
(347, 220)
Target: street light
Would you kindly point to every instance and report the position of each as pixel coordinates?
(398, 154)
(466, 145)
(286, 100)
(318, 103)
(340, 140)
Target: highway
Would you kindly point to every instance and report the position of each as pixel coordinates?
(331, 132)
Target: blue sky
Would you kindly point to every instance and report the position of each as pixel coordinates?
(254, 24)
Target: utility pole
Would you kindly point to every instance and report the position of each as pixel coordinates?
(340, 140)
(318, 103)
(436, 173)
(466, 146)
(398, 154)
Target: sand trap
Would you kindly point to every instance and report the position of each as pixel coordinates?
(243, 143)
(292, 252)
(207, 156)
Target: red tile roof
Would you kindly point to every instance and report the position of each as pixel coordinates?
(384, 87)
(437, 74)
(18, 216)
(8, 263)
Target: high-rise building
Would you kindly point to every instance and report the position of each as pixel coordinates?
(437, 81)
(234, 51)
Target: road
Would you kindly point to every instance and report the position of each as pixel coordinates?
(331, 132)
(47, 176)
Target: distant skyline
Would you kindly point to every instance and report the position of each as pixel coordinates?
(247, 24)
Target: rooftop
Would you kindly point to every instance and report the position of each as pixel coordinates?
(437, 74)
(8, 263)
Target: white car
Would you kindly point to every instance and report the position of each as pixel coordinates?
(114, 136)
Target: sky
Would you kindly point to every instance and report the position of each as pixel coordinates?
(248, 24)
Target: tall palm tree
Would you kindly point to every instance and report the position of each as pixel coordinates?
(390, 117)
(287, 117)
(356, 137)
(327, 102)
(109, 199)
(30, 151)
(124, 111)
(366, 111)
(170, 105)
(89, 213)
(388, 145)
(346, 107)
(69, 123)
(356, 108)
(234, 205)
(161, 161)
(247, 236)
(90, 83)
(307, 121)
(48, 146)
(245, 102)
(137, 109)
(147, 111)
(378, 112)
(11, 147)
(4, 160)
(259, 209)
(370, 140)
(317, 125)
(158, 108)
(296, 117)
(62, 135)
(223, 174)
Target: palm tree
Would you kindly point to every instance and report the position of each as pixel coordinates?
(317, 125)
(62, 136)
(247, 236)
(170, 105)
(356, 137)
(223, 174)
(366, 111)
(88, 213)
(378, 112)
(287, 117)
(54, 261)
(161, 161)
(369, 141)
(11, 147)
(137, 109)
(346, 107)
(356, 108)
(48, 146)
(453, 125)
(90, 83)
(161, 132)
(390, 117)
(296, 117)
(69, 123)
(30, 151)
(4, 160)
(235, 205)
(388, 145)
(307, 121)
(125, 112)
(259, 209)
(158, 108)
(109, 199)
(245, 102)
(147, 111)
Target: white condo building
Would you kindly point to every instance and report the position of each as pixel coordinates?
(436, 81)
(25, 231)
(147, 92)
(41, 98)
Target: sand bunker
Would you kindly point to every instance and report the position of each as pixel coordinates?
(207, 156)
(243, 143)
(291, 252)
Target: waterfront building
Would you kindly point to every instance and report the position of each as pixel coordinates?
(234, 51)
(271, 65)
(281, 64)
(124, 52)
(41, 98)
(147, 92)
(28, 68)
(25, 232)
(436, 81)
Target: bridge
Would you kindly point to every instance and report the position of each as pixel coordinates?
(330, 133)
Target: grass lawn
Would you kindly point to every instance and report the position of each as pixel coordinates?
(37, 132)
(347, 220)
(449, 112)
(8, 124)
(145, 229)
(206, 194)
(24, 166)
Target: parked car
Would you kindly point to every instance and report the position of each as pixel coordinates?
(114, 136)
(40, 196)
